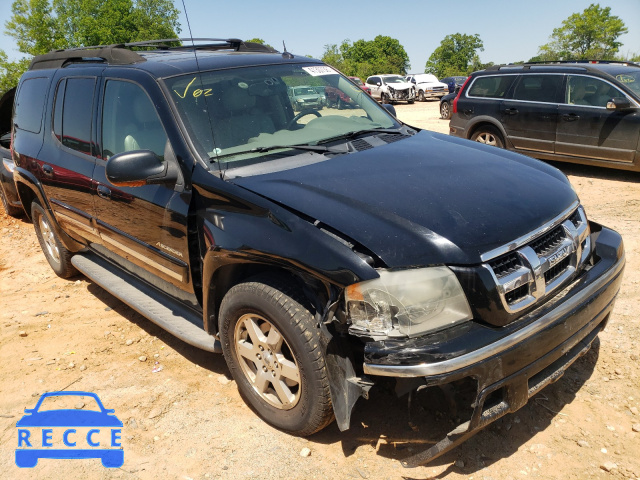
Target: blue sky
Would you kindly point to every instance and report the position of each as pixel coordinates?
(511, 30)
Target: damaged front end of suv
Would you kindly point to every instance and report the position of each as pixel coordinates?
(398, 93)
(544, 300)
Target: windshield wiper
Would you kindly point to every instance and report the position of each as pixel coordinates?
(356, 133)
(311, 148)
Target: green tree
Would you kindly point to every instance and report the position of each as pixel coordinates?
(34, 26)
(259, 40)
(590, 35)
(456, 55)
(11, 72)
(39, 26)
(364, 58)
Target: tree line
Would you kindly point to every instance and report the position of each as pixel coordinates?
(39, 26)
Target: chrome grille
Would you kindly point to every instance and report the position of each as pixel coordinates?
(549, 242)
(531, 268)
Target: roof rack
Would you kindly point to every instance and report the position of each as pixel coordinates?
(581, 63)
(122, 53)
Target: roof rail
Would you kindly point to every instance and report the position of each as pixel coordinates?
(579, 63)
(122, 53)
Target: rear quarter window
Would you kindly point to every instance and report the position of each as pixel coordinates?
(29, 106)
(494, 86)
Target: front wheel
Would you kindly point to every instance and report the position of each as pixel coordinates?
(271, 345)
(421, 96)
(489, 136)
(383, 98)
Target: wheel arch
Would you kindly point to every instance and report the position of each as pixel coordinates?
(220, 279)
(29, 189)
(484, 121)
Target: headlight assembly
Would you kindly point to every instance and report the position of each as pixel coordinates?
(406, 303)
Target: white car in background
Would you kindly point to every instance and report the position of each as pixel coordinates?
(391, 88)
(427, 86)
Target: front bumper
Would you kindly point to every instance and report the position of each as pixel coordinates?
(407, 94)
(512, 363)
(434, 94)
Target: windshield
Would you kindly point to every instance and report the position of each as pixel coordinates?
(631, 80)
(231, 114)
(356, 80)
(397, 79)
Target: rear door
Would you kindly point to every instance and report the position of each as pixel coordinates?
(586, 129)
(65, 164)
(529, 116)
(143, 226)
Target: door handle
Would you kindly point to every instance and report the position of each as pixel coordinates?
(511, 111)
(103, 192)
(570, 117)
(47, 169)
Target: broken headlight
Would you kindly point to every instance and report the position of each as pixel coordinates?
(406, 303)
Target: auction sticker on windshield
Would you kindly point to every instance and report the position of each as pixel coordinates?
(319, 70)
(69, 425)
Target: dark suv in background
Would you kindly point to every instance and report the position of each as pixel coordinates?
(574, 112)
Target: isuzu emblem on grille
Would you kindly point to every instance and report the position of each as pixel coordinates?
(559, 255)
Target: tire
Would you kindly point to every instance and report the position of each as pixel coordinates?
(489, 136)
(10, 209)
(421, 96)
(383, 98)
(340, 104)
(445, 110)
(56, 254)
(267, 333)
(410, 101)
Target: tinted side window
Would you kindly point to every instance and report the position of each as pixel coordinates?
(130, 121)
(30, 104)
(589, 91)
(538, 88)
(73, 112)
(373, 81)
(494, 86)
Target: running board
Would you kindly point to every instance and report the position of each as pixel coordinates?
(165, 312)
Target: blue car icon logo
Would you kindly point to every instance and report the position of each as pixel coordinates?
(69, 433)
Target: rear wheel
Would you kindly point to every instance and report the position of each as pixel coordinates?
(10, 209)
(445, 110)
(270, 343)
(54, 251)
(489, 136)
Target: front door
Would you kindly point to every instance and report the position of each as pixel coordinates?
(586, 129)
(147, 225)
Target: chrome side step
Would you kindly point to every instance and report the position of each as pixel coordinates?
(168, 314)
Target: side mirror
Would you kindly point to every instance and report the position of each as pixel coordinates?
(137, 168)
(378, 84)
(389, 108)
(619, 103)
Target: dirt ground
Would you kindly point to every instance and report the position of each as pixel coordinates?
(187, 420)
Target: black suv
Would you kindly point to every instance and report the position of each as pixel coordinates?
(586, 112)
(320, 251)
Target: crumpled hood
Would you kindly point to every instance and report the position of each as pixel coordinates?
(400, 86)
(424, 200)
